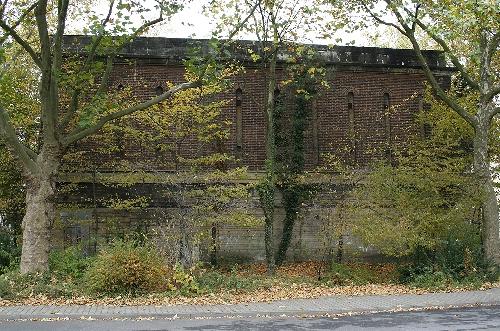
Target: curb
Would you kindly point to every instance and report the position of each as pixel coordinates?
(324, 306)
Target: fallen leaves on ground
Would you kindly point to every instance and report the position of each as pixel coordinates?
(295, 291)
(287, 284)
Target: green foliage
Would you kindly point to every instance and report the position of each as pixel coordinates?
(341, 274)
(429, 194)
(69, 263)
(458, 261)
(126, 268)
(398, 209)
(14, 285)
(305, 72)
(10, 250)
(214, 280)
(183, 281)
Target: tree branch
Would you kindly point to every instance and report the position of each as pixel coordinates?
(109, 64)
(100, 36)
(16, 23)
(379, 20)
(62, 12)
(454, 59)
(491, 49)
(43, 32)
(242, 23)
(10, 31)
(79, 134)
(2, 10)
(429, 74)
(495, 90)
(494, 112)
(9, 133)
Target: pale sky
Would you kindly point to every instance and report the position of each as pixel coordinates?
(202, 27)
(193, 23)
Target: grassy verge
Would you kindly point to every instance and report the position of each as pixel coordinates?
(125, 271)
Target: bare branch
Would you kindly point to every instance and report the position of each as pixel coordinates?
(62, 12)
(415, 17)
(494, 112)
(489, 51)
(9, 133)
(79, 134)
(109, 66)
(379, 20)
(10, 31)
(4, 6)
(495, 90)
(17, 22)
(430, 75)
(100, 36)
(454, 59)
(242, 23)
(43, 32)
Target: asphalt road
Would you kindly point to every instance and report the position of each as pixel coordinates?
(477, 318)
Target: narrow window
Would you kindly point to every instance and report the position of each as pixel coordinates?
(387, 126)
(239, 119)
(159, 90)
(277, 97)
(351, 132)
(120, 143)
(387, 102)
(425, 128)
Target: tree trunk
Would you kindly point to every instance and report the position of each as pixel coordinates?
(40, 212)
(292, 204)
(490, 221)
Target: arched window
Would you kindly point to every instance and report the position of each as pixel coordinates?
(387, 102)
(278, 100)
(239, 118)
(425, 128)
(387, 126)
(351, 129)
(239, 97)
(159, 90)
(350, 100)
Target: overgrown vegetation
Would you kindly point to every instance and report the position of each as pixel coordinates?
(135, 269)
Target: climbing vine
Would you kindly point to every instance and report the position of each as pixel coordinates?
(302, 87)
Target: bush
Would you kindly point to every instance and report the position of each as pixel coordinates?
(341, 274)
(183, 281)
(214, 280)
(10, 251)
(126, 268)
(456, 261)
(69, 263)
(13, 285)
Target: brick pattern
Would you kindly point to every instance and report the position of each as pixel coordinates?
(368, 86)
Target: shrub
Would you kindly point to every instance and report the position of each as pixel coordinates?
(183, 280)
(10, 251)
(69, 263)
(458, 260)
(124, 267)
(214, 280)
(341, 274)
(13, 285)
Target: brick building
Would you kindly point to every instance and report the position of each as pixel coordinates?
(375, 92)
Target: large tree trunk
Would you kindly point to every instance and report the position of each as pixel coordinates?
(39, 217)
(490, 221)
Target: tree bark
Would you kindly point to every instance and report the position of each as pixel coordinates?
(40, 215)
(490, 220)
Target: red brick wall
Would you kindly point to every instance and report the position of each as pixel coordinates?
(368, 86)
